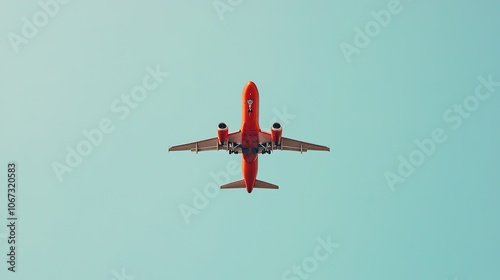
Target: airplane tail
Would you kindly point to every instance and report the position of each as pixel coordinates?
(234, 185)
(264, 185)
(241, 185)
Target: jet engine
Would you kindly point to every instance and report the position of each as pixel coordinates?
(276, 130)
(222, 132)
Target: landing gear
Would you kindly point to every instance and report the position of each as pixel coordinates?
(267, 148)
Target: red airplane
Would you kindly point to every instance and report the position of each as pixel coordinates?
(250, 141)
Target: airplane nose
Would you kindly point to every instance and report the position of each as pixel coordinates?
(250, 87)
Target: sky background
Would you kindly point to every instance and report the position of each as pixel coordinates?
(117, 214)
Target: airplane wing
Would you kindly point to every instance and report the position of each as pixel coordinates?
(288, 144)
(212, 144)
(300, 146)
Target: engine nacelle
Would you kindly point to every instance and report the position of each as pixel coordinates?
(276, 130)
(222, 132)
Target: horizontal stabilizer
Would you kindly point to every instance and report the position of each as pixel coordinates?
(234, 185)
(264, 185)
(241, 185)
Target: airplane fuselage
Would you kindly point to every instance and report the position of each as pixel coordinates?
(250, 134)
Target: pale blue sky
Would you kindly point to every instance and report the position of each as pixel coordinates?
(117, 213)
